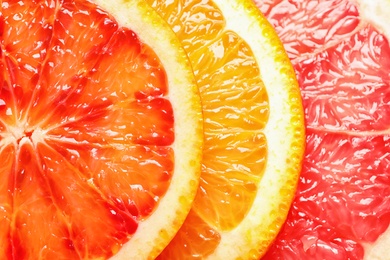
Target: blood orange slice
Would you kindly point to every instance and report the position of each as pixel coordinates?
(100, 130)
(253, 126)
(340, 50)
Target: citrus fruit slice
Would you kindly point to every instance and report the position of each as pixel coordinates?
(341, 53)
(100, 130)
(253, 127)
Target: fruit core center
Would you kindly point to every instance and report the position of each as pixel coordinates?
(20, 135)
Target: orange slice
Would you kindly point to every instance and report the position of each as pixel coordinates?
(253, 124)
(100, 130)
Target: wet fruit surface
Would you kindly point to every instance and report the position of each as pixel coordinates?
(235, 148)
(76, 173)
(342, 65)
(253, 129)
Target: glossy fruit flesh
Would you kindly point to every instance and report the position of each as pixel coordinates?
(75, 170)
(235, 149)
(343, 65)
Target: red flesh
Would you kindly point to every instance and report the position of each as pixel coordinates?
(85, 131)
(342, 65)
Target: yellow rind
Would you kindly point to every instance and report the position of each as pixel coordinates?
(154, 233)
(285, 134)
(284, 131)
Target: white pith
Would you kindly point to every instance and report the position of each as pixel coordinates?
(377, 13)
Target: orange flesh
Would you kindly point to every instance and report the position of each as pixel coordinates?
(235, 149)
(85, 131)
(342, 65)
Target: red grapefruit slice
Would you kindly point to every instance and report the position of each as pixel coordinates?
(341, 54)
